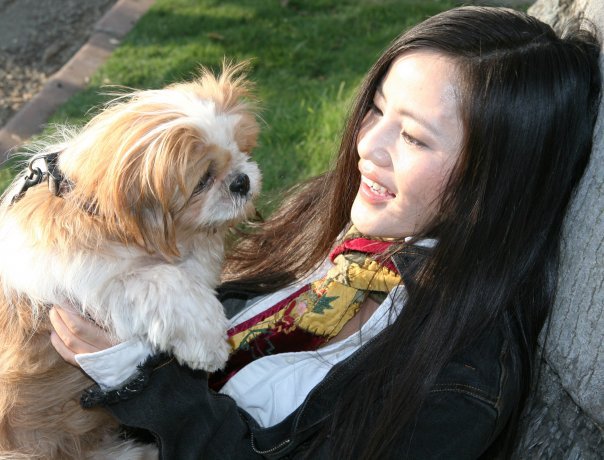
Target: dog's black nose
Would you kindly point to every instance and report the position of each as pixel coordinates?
(240, 185)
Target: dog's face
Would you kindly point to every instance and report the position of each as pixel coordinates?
(157, 166)
(220, 180)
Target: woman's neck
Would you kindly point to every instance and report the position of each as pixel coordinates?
(367, 308)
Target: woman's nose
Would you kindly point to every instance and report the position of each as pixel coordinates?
(376, 144)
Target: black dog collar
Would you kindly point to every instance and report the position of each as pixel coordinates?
(41, 168)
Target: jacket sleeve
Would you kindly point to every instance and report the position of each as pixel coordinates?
(188, 420)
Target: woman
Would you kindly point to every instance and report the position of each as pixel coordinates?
(463, 149)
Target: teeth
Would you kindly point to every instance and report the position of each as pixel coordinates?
(377, 188)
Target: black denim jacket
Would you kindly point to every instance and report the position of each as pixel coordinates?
(463, 414)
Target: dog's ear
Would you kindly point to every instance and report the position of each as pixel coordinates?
(129, 166)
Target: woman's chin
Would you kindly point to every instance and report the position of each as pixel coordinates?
(372, 220)
(366, 220)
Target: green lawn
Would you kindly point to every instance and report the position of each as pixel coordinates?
(309, 56)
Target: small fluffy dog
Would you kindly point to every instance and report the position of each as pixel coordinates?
(128, 225)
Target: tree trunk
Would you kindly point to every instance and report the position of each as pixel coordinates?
(565, 415)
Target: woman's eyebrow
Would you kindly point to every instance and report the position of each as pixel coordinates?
(421, 120)
(418, 118)
(415, 116)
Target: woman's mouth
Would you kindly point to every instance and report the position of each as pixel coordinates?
(377, 188)
(375, 191)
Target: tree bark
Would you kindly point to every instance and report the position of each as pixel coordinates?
(564, 418)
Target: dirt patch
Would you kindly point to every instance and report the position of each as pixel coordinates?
(36, 38)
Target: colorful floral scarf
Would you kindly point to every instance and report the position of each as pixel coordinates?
(315, 313)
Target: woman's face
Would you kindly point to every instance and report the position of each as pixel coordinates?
(408, 144)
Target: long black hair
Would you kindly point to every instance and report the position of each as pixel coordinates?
(528, 103)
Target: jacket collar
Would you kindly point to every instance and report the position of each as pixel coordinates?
(410, 259)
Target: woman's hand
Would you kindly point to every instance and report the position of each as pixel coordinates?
(74, 334)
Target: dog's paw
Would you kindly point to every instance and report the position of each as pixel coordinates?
(200, 354)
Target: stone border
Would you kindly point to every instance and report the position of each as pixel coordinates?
(74, 75)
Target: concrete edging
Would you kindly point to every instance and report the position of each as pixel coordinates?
(74, 75)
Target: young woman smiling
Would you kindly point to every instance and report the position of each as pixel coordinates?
(462, 152)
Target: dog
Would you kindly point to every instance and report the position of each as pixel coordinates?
(125, 220)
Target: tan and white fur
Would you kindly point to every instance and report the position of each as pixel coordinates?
(135, 244)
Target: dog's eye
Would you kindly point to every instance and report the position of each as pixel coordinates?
(204, 183)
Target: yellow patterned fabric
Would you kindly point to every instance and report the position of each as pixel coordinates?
(315, 313)
(326, 305)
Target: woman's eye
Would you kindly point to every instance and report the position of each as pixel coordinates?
(375, 109)
(412, 140)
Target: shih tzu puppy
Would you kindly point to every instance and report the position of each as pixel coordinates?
(124, 220)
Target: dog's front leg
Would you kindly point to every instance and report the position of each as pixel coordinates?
(171, 309)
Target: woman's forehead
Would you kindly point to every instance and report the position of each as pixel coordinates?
(425, 70)
(423, 85)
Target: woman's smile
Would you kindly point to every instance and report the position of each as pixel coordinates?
(374, 192)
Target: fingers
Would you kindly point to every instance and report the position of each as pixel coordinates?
(90, 336)
(74, 334)
(62, 349)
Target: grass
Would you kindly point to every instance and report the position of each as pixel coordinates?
(309, 56)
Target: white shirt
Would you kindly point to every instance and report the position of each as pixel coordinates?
(268, 388)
